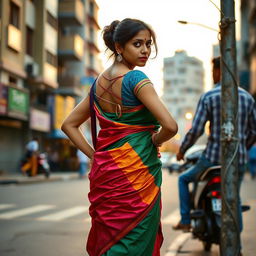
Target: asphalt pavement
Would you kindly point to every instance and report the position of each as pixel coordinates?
(185, 244)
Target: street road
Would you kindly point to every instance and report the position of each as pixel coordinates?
(52, 218)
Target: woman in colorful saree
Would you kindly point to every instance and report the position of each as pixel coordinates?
(125, 176)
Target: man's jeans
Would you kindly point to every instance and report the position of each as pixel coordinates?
(189, 176)
(83, 167)
(184, 179)
(241, 171)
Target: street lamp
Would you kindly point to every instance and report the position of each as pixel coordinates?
(188, 115)
(184, 22)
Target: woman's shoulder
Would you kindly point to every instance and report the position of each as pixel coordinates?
(135, 73)
(134, 76)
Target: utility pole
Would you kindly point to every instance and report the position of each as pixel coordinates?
(230, 233)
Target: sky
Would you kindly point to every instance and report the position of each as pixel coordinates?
(163, 15)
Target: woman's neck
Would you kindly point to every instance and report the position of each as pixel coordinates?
(118, 68)
(124, 63)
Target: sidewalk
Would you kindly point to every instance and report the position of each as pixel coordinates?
(6, 179)
(194, 247)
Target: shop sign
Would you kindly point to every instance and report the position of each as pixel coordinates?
(59, 113)
(69, 105)
(39, 120)
(3, 99)
(63, 106)
(18, 103)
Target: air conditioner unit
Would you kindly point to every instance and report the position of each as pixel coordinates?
(32, 69)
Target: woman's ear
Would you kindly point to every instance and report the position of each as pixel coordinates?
(119, 48)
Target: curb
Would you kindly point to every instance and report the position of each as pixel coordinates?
(37, 179)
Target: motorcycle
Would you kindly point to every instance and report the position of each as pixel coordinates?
(206, 207)
(205, 198)
(43, 166)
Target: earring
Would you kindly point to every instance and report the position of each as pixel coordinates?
(119, 57)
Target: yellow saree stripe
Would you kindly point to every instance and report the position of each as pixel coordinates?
(136, 172)
(139, 85)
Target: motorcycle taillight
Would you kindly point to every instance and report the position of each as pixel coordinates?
(215, 194)
(215, 179)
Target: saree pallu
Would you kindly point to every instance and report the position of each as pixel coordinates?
(125, 181)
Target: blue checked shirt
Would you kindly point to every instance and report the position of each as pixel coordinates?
(209, 109)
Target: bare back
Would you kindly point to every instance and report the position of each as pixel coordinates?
(109, 91)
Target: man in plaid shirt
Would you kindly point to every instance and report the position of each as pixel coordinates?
(209, 109)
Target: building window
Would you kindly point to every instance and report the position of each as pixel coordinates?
(12, 80)
(42, 99)
(182, 70)
(168, 83)
(14, 15)
(91, 34)
(29, 41)
(175, 82)
(51, 59)
(168, 64)
(91, 57)
(52, 21)
(91, 9)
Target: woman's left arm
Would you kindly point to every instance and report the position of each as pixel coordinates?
(71, 124)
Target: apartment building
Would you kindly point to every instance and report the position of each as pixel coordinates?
(14, 96)
(78, 66)
(48, 59)
(93, 61)
(183, 86)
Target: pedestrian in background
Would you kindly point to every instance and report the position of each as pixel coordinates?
(252, 161)
(209, 109)
(125, 176)
(83, 164)
(31, 156)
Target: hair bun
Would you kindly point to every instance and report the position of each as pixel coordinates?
(108, 34)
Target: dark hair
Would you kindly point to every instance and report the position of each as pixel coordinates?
(123, 31)
(216, 62)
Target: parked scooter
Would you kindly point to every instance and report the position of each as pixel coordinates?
(43, 166)
(205, 202)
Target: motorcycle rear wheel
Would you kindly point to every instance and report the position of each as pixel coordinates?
(207, 246)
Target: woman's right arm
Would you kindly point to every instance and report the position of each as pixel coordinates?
(71, 124)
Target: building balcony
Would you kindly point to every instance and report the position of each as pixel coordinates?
(92, 21)
(92, 46)
(252, 42)
(252, 11)
(69, 85)
(91, 71)
(14, 38)
(71, 47)
(71, 12)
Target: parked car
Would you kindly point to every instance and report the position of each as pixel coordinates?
(165, 159)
